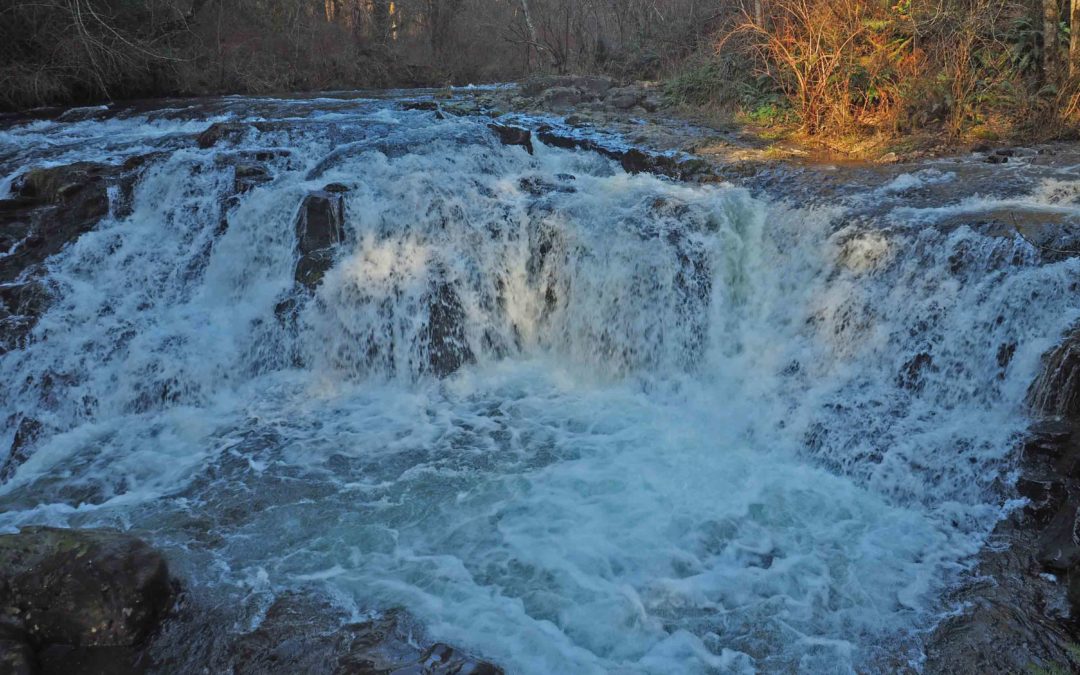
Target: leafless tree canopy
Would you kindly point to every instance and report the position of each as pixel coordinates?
(70, 50)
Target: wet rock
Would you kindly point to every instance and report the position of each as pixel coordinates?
(632, 160)
(69, 660)
(85, 588)
(250, 176)
(1058, 549)
(16, 654)
(996, 159)
(26, 435)
(1056, 392)
(448, 349)
(308, 634)
(320, 227)
(336, 188)
(222, 132)
(511, 135)
(1045, 497)
(49, 209)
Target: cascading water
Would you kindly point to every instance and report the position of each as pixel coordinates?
(686, 430)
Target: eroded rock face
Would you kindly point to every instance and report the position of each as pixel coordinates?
(320, 227)
(83, 588)
(1021, 602)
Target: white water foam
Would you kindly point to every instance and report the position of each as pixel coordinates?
(699, 432)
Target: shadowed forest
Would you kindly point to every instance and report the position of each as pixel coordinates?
(965, 69)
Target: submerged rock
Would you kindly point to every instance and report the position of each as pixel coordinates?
(88, 588)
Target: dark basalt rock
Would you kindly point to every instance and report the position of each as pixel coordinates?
(320, 227)
(511, 135)
(84, 588)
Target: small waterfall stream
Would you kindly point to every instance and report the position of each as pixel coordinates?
(573, 419)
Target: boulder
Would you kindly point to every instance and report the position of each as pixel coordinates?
(320, 227)
(561, 97)
(624, 98)
(84, 588)
(512, 135)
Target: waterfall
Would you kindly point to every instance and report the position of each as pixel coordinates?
(574, 419)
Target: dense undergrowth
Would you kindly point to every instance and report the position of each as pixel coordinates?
(840, 71)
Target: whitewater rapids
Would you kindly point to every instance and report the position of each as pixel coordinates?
(697, 431)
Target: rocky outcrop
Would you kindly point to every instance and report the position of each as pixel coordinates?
(49, 209)
(1022, 600)
(320, 228)
(65, 592)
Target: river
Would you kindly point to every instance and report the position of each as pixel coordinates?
(574, 420)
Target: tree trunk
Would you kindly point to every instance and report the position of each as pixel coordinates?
(1051, 16)
(1074, 39)
(532, 32)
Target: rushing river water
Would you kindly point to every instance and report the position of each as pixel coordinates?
(693, 431)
